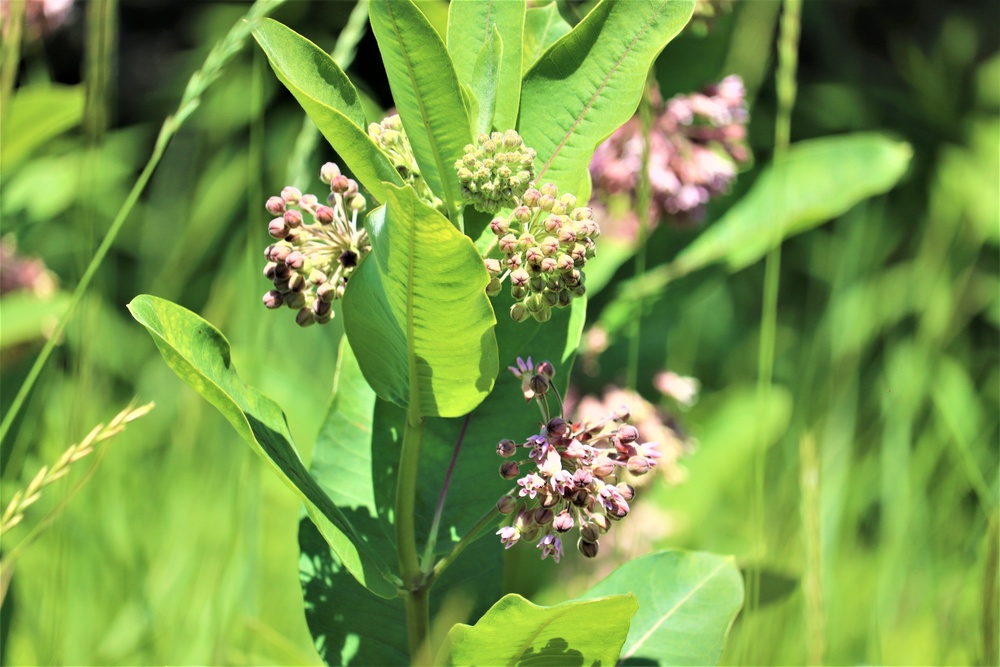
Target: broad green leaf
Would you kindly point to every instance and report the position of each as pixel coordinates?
(470, 26)
(426, 92)
(589, 83)
(822, 179)
(485, 82)
(543, 26)
(687, 603)
(330, 100)
(342, 458)
(516, 632)
(37, 114)
(416, 312)
(350, 626)
(199, 354)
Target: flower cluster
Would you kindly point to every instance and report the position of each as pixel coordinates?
(496, 171)
(545, 242)
(696, 143)
(391, 139)
(312, 261)
(572, 477)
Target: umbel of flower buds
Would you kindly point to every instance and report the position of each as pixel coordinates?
(496, 171)
(391, 139)
(317, 247)
(545, 243)
(572, 481)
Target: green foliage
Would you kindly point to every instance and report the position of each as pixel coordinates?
(687, 603)
(515, 631)
(589, 83)
(485, 82)
(331, 101)
(543, 26)
(36, 116)
(417, 314)
(426, 92)
(199, 354)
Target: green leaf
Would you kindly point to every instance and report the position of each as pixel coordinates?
(330, 100)
(416, 312)
(470, 27)
(515, 631)
(37, 114)
(823, 178)
(426, 92)
(342, 459)
(28, 316)
(589, 83)
(199, 354)
(687, 603)
(543, 26)
(485, 82)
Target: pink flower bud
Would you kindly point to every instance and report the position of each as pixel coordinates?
(275, 205)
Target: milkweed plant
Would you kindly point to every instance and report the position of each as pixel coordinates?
(453, 242)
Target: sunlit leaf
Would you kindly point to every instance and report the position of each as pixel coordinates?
(486, 82)
(589, 83)
(426, 92)
(517, 632)
(687, 603)
(38, 113)
(330, 100)
(416, 312)
(543, 26)
(470, 26)
(199, 354)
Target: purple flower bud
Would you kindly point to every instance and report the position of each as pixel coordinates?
(506, 504)
(588, 533)
(277, 228)
(539, 384)
(628, 433)
(588, 549)
(509, 469)
(273, 299)
(295, 260)
(340, 184)
(603, 467)
(519, 278)
(506, 449)
(563, 522)
(544, 516)
(324, 215)
(627, 491)
(275, 205)
(509, 535)
(508, 244)
(293, 218)
(499, 226)
(305, 318)
(638, 465)
(291, 195)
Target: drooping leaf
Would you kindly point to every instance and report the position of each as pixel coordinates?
(342, 458)
(37, 114)
(199, 354)
(822, 179)
(486, 82)
(416, 312)
(516, 632)
(330, 100)
(426, 92)
(589, 82)
(543, 26)
(470, 26)
(687, 603)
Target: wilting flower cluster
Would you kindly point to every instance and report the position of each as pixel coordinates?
(545, 243)
(496, 171)
(695, 145)
(318, 247)
(568, 476)
(391, 139)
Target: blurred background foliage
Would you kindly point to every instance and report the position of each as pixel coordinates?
(872, 527)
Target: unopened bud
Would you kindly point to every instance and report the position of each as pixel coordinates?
(627, 491)
(509, 469)
(638, 465)
(543, 516)
(588, 533)
(588, 549)
(273, 299)
(275, 205)
(277, 228)
(291, 195)
(518, 312)
(628, 433)
(506, 448)
(506, 504)
(539, 384)
(293, 218)
(563, 522)
(305, 317)
(494, 287)
(324, 215)
(328, 172)
(339, 184)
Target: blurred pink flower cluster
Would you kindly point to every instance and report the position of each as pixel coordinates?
(23, 274)
(696, 144)
(41, 16)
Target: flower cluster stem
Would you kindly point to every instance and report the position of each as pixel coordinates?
(486, 521)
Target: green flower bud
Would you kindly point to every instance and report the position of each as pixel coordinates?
(518, 312)
(305, 318)
(588, 549)
(565, 298)
(534, 303)
(542, 315)
(494, 287)
(518, 292)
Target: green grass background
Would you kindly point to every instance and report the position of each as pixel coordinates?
(874, 531)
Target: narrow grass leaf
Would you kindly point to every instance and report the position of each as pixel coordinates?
(199, 354)
(331, 101)
(416, 312)
(589, 83)
(687, 603)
